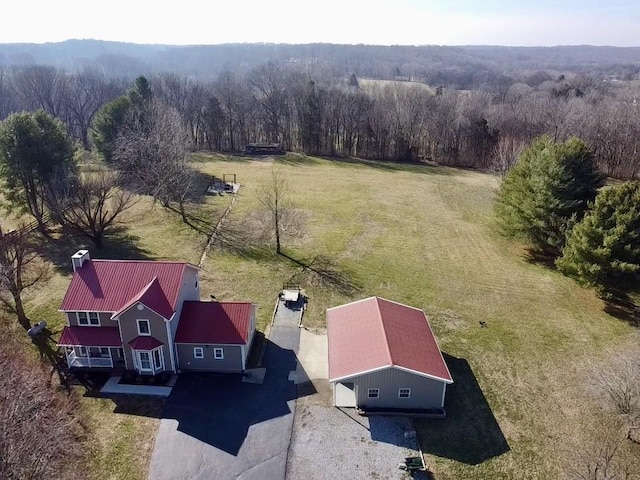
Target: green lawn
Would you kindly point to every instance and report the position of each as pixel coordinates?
(426, 236)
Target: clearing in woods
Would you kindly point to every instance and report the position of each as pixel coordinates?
(420, 235)
(426, 236)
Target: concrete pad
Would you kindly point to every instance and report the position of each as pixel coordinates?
(313, 354)
(254, 375)
(112, 386)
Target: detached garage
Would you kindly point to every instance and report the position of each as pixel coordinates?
(383, 354)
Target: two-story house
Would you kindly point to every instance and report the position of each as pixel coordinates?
(147, 316)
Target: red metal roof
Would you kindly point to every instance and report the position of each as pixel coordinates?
(375, 333)
(112, 285)
(214, 322)
(145, 342)
(90, 337)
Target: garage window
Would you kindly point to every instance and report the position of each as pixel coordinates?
(218, 354)
(404, 393)
(373, 393)
(198, 352)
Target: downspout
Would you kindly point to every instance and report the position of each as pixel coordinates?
(171, 344)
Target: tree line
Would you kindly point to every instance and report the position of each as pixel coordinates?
(332, 115)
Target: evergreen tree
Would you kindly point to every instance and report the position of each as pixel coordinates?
(603, 250)
(35, 149)
(547, 192)
(112, 116)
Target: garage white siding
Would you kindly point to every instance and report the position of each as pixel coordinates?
(425, 392)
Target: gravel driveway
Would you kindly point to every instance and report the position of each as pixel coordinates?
(329, 443)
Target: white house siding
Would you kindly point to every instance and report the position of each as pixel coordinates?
(425, 392)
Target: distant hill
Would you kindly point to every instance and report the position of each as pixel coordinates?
(433, 64)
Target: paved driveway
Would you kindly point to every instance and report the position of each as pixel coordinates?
(217, 427)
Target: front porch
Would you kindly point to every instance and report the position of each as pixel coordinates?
(93, 357)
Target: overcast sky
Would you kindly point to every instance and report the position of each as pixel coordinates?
(386, 22)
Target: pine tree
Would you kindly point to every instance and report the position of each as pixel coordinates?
(547, 192)
(603, 250)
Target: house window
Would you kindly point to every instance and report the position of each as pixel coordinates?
(104, 352)
(373, 393)
(196, 283)
(88, 319)
(218, 353)
(404, 393)
(143, 327)
(157, 359)
(198, 352)
(82, 351)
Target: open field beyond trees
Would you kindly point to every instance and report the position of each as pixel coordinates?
(522, 404)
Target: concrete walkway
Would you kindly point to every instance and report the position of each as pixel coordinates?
(113, 387)
(217, 426)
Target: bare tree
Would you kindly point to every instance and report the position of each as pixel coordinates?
(39, 426)
(281, 215)
(40, 86)
(603, 457)
(151, 152)
(91, 205)
(505, 155)
(20, 268)
(621, 384)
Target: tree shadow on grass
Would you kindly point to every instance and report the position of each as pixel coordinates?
(623, 308)
(470, 433)
(324, 271)
(119, 244)
(49, 352)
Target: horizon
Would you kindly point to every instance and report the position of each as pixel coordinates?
(358, 22)
(317, 43)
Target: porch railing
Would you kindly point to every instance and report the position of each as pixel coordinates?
(74, 360)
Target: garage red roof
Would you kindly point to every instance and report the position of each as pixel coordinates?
(145, 342)
(113, 285)
(90, 337)
(214, 323)
(375, 333)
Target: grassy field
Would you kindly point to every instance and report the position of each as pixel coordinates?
(426, 236)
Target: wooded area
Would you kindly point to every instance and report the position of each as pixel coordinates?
(478, 111)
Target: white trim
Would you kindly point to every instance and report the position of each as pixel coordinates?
(242, 357)
(171, 344)
(422, 374)
(215, 351)
(86, 352)
(88, 313)
(407, 390)
(201, 351)
(376, 390)
(137, 302)
(139, 358)
(124, 353)
(211, 344)
(357, 374)
(138, 320)
(377, 369)
(444, 390)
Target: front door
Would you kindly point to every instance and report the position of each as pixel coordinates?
(144, 362)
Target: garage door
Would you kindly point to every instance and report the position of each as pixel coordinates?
(345, 395)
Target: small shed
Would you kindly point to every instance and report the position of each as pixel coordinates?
(383, 355)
